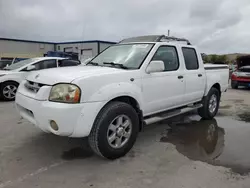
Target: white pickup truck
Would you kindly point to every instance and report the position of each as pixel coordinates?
(136, 82)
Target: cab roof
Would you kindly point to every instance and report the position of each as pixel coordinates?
(154, 39)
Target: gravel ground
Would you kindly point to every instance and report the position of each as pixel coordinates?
(184, 152)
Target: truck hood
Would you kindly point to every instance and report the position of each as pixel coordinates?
(68, 74)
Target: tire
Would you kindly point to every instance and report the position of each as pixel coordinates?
(110, 115)
(234, 84)
(8, 90)
(206, 112)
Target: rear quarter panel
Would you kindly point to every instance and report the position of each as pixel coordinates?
(220, 76)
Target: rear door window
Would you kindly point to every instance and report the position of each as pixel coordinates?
(190, 57)
(68, 63)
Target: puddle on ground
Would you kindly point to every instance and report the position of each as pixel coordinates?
(221, 142)
(77, 153)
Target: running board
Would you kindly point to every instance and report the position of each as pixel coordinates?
(170, 114)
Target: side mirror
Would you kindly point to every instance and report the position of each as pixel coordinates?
(31, 67)
(155, 66)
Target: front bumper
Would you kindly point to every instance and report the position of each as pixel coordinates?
(245, 83)
(73, 120)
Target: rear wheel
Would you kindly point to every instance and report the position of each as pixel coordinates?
(8, 91)
(115, 130)
(234, 84)
(210, 104)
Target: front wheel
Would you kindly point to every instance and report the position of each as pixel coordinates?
(114, 131)
(210, 104)
(8, 91)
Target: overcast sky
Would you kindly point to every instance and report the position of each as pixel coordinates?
(216, 26)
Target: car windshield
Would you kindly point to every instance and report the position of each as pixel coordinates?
(19, 64)
(244, 69)
(129, 56)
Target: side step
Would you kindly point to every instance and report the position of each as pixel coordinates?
(170, 114)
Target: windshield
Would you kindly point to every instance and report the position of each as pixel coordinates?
(244, 69)
(128, 55)
(19, 64)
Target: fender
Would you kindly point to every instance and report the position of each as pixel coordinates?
(16, 77)
(111, 91)
(211, 81)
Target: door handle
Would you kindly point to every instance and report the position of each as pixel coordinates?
(199, 75)
(180, 77)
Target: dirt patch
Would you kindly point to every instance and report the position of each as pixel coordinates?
(225, 106)
(244, 116)
(235, 100)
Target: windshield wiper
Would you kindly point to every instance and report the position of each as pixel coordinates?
(115, 64)
(92, 63)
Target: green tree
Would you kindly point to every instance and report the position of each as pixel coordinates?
(222, 58)
(213, 58)
(205, 59)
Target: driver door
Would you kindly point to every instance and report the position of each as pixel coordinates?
(164, 90)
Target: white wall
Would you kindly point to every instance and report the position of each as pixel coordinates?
(103, 46)
(77, 47)
(10, 48)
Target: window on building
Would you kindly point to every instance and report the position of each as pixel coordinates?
(190, 57)
(58, 48)
(7, 58)
(168, 55)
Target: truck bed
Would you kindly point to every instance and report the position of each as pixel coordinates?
(217, 74)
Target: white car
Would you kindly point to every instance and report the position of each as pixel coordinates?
(135, 82)
(12, 75)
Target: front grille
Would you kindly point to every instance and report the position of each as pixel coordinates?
(33, 86)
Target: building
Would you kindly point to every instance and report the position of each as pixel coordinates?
(85, 49)
(16, 48)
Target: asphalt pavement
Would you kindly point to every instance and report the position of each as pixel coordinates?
(183, 152)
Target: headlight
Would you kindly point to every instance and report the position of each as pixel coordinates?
(66, 93)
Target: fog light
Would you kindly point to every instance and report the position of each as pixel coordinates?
(53, 125)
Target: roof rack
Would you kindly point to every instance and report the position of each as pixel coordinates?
(164, 38)
(154, 38)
